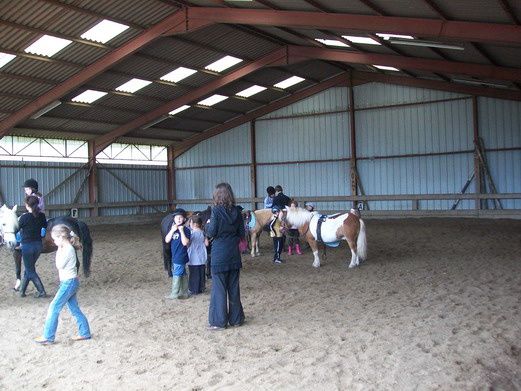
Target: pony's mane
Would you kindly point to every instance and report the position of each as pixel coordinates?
(298, 216)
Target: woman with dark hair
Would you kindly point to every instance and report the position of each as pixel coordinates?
(30, 228)
(226, 227)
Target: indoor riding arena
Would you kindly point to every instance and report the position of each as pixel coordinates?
(403, 117)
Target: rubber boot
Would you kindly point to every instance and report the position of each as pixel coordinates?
(39, 286)
(183, 291)
(23, 287)
(290, 251)
(297, 249)
(176, 286)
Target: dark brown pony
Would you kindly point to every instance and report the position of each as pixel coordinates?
(9, 226)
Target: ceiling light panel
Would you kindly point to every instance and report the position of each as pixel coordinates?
(47, 45)
(289, 82)
(89, 96)
(178, 74)
(212, 100)
(104, 31)
(222, 64)
(133, 85)
(250, 91)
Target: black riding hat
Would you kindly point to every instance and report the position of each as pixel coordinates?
(31, 183)
(179, 211)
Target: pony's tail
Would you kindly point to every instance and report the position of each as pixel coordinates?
(361, 242)
(86, 241)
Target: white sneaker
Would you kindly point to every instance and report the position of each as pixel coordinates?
(17, 285)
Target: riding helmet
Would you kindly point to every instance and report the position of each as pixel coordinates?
(31, 183)
(179, 211)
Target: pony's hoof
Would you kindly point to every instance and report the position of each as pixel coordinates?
(317, 265)
(351, 265)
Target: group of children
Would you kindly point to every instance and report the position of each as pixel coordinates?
(189, 247)
(275, 225)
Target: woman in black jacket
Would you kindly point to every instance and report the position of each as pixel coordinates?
(30, 227)
(226, 227)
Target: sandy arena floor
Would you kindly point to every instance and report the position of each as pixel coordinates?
(436, 306)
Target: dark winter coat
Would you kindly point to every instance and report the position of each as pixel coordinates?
(226, 227)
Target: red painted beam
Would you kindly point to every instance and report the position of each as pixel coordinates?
(444, 66)
(176, 19)
(437, 85)
(457, 30)
(273, 58)
(283, 102)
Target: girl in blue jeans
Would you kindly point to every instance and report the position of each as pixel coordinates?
(66, 261)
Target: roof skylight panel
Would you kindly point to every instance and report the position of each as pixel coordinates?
(104, 31)
(389, 36)
(133, 85)
(179, 109)
(222, 64)
(89, 96)
(386, 68)
(250, 91)
(47, 45)
(362, 40)
(332, 42)
(178, 74)
(5, 58)
(291, 81)
(212, 100)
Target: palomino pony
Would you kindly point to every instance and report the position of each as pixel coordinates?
(258, 220)
(9, 226)
(341, 226)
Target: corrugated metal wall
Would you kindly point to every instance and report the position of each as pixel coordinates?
(500, 127)
(409, 141)
(196, 178)
(149, 182)
(122, 183)
(388, 136)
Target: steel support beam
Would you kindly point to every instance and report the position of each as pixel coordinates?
(438, 85)
(273, 58)
(176, 19)
(297, 53)
(456, 30)
(283, 102)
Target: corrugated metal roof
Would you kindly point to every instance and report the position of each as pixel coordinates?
(25, 79)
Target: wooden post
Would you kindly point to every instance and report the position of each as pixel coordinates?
(170, 177)
(477, 166)
(253, 166)
(353, 171)
(93, 178)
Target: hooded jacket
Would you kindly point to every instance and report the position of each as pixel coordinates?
(226, 227)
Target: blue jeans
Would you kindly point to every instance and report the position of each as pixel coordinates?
(66, 295)
(30, 253)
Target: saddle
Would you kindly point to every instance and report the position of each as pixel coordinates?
(322, 219)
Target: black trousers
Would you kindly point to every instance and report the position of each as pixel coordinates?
(196, 278)
(225, 300)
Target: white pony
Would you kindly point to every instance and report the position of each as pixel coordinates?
(341, 226)
(8, 226)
